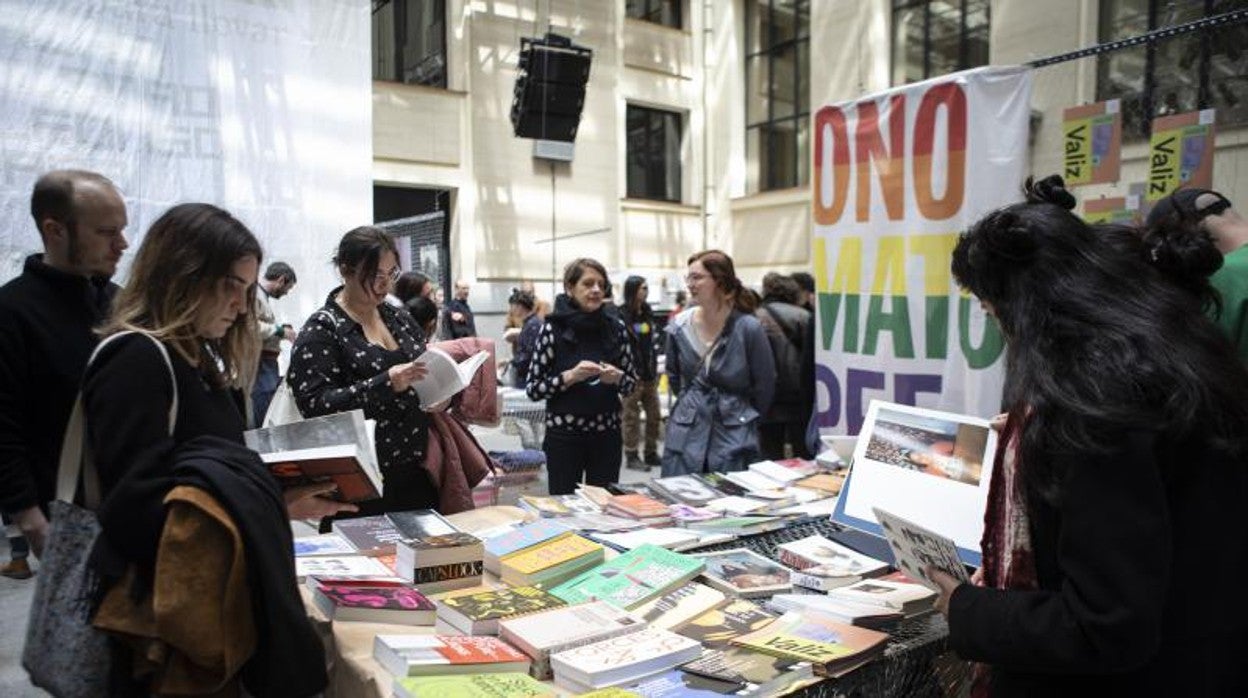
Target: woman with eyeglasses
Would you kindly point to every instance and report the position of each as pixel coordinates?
(358, 352)
(582, 366)
(720, 367)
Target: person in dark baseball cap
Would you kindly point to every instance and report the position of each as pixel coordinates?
(1207, 212)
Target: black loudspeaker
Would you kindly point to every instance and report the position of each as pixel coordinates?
(550, 89)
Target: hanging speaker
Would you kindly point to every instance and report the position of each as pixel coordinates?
(550, 88)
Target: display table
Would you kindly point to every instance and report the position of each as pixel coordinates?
(916, 663)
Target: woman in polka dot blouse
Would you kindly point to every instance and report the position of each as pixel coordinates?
(582, 366)
(357, 352)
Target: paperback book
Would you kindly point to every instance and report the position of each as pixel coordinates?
(502, 685)
(632, 578)
(907, 599)
(552, 562)
(400, 605)
(916, 547)
(337, 447)
(480, 613)
(831, 647)
(431, 655)
(621, 659)
(540, 634)
(680, 605)
(686, 489)
(341, 566)
(323, 544)
(717, 627)
(744, 573)
(756, 673)
(525, 536)
(829, 559)
(445, 377)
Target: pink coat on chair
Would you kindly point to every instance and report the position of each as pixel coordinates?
(455, 461)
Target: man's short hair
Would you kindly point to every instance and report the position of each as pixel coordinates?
(1189, 205)
(53, 196)
(280, 270)
(804, 281)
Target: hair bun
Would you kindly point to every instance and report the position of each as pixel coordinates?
(1050, 190)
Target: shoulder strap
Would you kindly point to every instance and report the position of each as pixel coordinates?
(76, 455)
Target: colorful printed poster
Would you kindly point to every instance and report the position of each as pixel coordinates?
(1092, 143)
(1124, 210)
(1180, 153)
(896, 177)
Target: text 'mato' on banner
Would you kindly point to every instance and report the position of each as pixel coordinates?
(897, 177)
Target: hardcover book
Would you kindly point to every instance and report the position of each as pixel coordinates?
(632, 578)
(621, 659)
(744, 573)
(480, 613)
(503, 685)
(430, 655)
(680, 605)
(381, 604)
(830, 646)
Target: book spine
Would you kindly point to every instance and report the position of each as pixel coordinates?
(446, 573)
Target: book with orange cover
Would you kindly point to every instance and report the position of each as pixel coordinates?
(429, 655)
(638, 506)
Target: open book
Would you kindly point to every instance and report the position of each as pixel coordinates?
(445, 377)
(337, 447)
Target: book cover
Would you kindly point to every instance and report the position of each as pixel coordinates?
(738, 506)
(670, 538)
(598, 496)
(833, 558)
(916, 547)
(836, 609)
(502, 685)
(827, 483)
(550, 554)
(624, 657)
(343, 428)
(417, 655)
(776, 472)
(753, 481)
(543, 506)
(632, 578)
(757, 673)
(745, 573)
(497, 604)
(371, 535)
(893, 596)
(323, 544)
(637, 506)
(342, 464)
(686, 489)
(419, 524)
(382, 604)
(675, 683)
(445, 377)
(522, 537)
(813, 638)
(577, 504)
(340, 566)
(680, 605)
(716, 627)
(540, 633)
(683, 514)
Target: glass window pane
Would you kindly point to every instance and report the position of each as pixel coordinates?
(1176, 75)
(753, 155)
(803, 152)
(784, 81)
(1228, 75)
(908, 46)
(1121, 19)
(779, 155)
(671, 156)
(781, 23)
(944, 38)
(757, 89)
(803, 78)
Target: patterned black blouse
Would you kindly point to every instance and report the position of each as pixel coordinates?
(334, 368)
(545, 382)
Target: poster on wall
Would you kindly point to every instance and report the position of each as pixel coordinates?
(1180, 153)
(262, 108)
(1092, 143)
(897, 177)
(1119, 210)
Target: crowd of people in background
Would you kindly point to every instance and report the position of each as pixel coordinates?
(1125, 416)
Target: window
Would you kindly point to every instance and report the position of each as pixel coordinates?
(409, 41)
(665, 12)
(937, 37)
(653, 154)
(1197, 70)
(777, 75)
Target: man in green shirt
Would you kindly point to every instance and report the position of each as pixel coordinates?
(1229, 232)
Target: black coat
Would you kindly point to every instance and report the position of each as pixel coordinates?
(1139, 567)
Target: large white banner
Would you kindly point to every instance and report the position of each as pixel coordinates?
(262, 107)
(897, 176)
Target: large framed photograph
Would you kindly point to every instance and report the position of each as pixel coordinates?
(927, 466)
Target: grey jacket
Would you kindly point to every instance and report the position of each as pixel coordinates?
(715, 419)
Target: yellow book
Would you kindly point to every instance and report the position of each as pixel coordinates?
(550, 554)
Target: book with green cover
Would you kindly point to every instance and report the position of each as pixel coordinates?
(631, 579)
(508, 685)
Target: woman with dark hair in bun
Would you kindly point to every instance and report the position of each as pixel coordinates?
(720, 367)
(1123, 464)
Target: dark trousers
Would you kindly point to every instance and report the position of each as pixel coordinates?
(267, 379)
(18, 546)
(772, 436)
(573, 455)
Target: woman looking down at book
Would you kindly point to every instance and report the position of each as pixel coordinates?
(720, 367)
(358, 352)
(184, 504)
(582, 366)
(1122, 469)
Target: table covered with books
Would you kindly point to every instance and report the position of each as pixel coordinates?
(734, 579)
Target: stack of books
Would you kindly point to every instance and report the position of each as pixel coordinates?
(434, 555)
(433, 655)
(621, 659)
(521, 538)
(541, 634)
(479, 613)
(641, 508)
(551, 562)
(631, 579)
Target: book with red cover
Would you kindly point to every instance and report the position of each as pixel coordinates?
(343, 465)
(431, 655)
(638, 506)
(375, 604)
